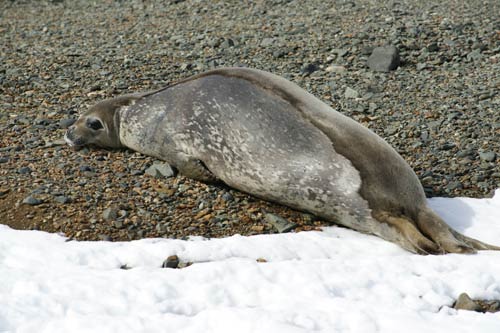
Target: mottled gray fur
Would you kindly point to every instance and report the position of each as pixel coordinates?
(264, 135)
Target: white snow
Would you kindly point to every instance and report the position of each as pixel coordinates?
(332, 281)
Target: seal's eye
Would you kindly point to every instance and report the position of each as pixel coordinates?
(94, 124)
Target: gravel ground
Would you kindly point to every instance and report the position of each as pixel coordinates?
(439, 109)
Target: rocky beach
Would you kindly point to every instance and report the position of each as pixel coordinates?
(439, 107)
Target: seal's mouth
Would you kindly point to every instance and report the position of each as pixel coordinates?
(75, 143)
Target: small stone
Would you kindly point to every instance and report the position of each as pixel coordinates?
(267, 42)
(351, 93)
(433, 47)
(85, 168)
(110, 213)
(280, 224)
(494, 306)
(29, 200)
(488, 156)
(65, 123)
(171, 262)
(340, 52)
(309, 69)
(454, 185)
(227, 197)
(335, 69)
(464, 302)
(118, 224)
(257, 228)
(384, 59)
(447, 146)
(4, 159)
(62, 199)
(475, 55)
(421, 66)
(159, 170)
(3, 192)
(24, 170)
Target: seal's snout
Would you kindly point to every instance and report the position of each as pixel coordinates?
(71, 139)
(70, 135)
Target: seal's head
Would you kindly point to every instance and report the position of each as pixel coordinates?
(100, 125)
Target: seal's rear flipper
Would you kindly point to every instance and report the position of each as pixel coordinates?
(410, 238)
(478, 245)
(450, 240)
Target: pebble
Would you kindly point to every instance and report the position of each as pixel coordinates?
(118, 224)
(488, 156)
(110, 213)
(62, 199)
(159, 170)
(171, 262)
(24, 170)
(227, 197)
(464, 302)
(67, 122)
(351, 93)
(335, 69)
(384, 59)
(32, 201)
(280, 224)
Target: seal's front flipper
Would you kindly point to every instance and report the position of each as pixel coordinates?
(196, 169)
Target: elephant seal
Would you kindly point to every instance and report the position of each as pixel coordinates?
(264, 135)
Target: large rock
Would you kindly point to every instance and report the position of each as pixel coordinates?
(384, 59)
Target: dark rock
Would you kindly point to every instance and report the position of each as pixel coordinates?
(447, 146)
(24, 170)
(384, 59)
(171, 262)
(280, 224)
(433, 47)
(65, 123)
(32, 201)
(309, 69)
(85, 168)
(227, 197)
(4, 159)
